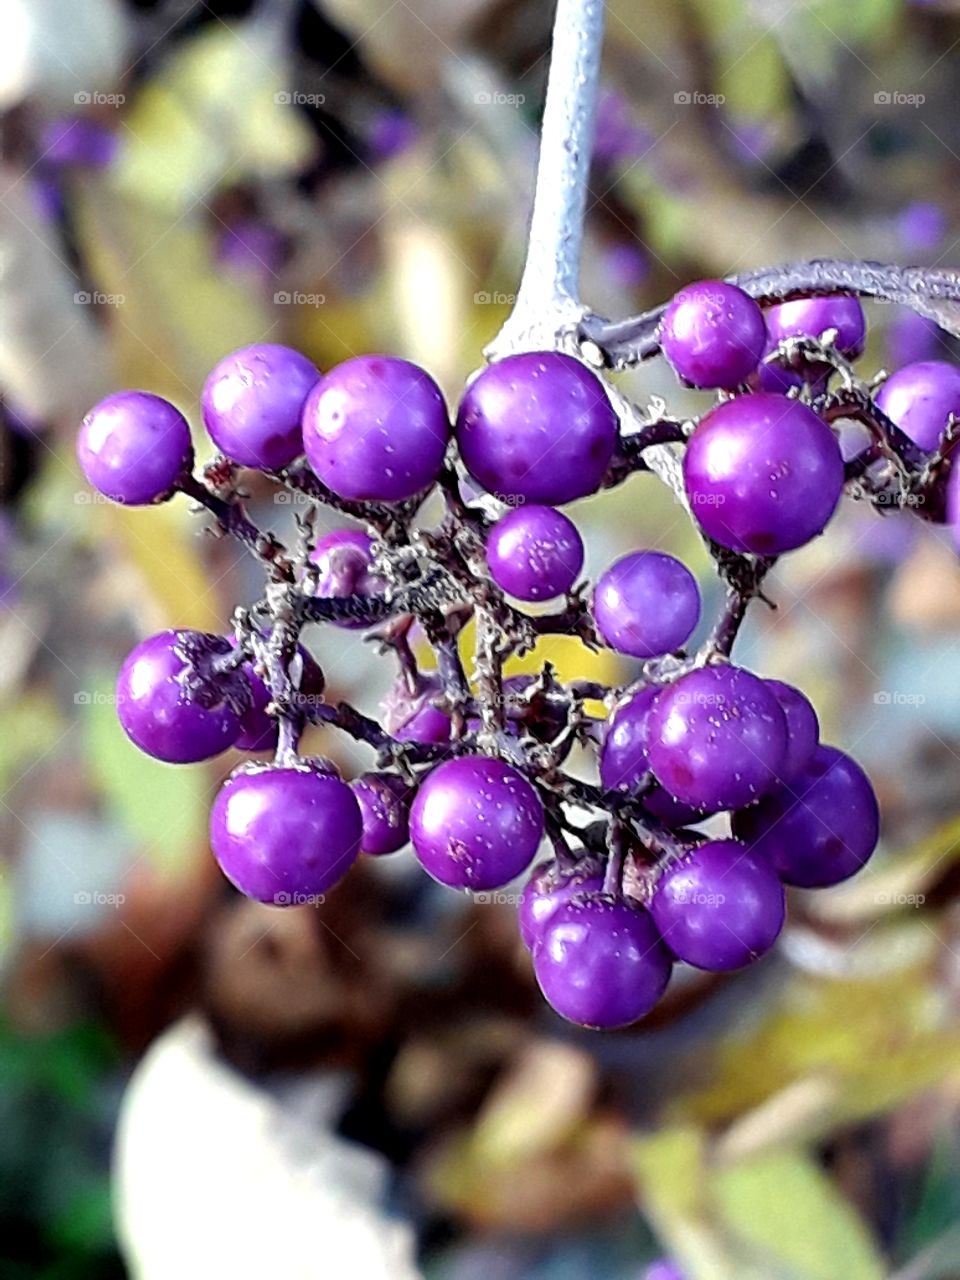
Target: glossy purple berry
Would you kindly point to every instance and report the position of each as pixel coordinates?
(534, 553)
(343, 559)
(549, 888)
(920, 398)
(163, 706)
(763, 474)
(716, 738)
(803, 728)
(285, 835)
(414, 716)
(476, 823)
(718, 907)
(384, 800)
(133, 447)
(600, 962)
(376, 428)
(252, 402)
(812, 317)
(538, 427)
(646, 604)
(258, 729)
(713, 334)
(624, 763)
(820, 828)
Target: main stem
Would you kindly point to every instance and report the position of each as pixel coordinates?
(547, 302)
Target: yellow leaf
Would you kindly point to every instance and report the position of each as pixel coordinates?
(794, 1217)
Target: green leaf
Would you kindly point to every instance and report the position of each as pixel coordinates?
(783, 1207)
(164, 808)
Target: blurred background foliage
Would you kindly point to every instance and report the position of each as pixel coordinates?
(181, 178)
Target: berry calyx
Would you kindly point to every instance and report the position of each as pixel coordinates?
(343, 561)
(133, 447)
(476, 823)
(285, 836)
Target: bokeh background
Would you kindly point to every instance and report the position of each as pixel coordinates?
(373, 1088)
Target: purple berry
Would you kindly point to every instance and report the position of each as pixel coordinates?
(601, 963)
(820, 828)
(376, 428)
(549, 888)
(252, 402)
(811, 317)
(133, 447)
(920, 398)
(716, 738)
(646, 604)
(624, 762)
(718, 907)
(476, 823)
(803, 728)
(163, 706)
(258, 727)
(76, 141)
(343, 560)
(534, 553)
(413, 716)
(537, 426)
(284, 835)
(713, 334)
(664, 1269)
(384, 800)
(763, 474)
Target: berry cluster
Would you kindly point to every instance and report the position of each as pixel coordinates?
(471, 767)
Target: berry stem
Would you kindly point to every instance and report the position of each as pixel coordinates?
(933, 293)
(547, 301)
